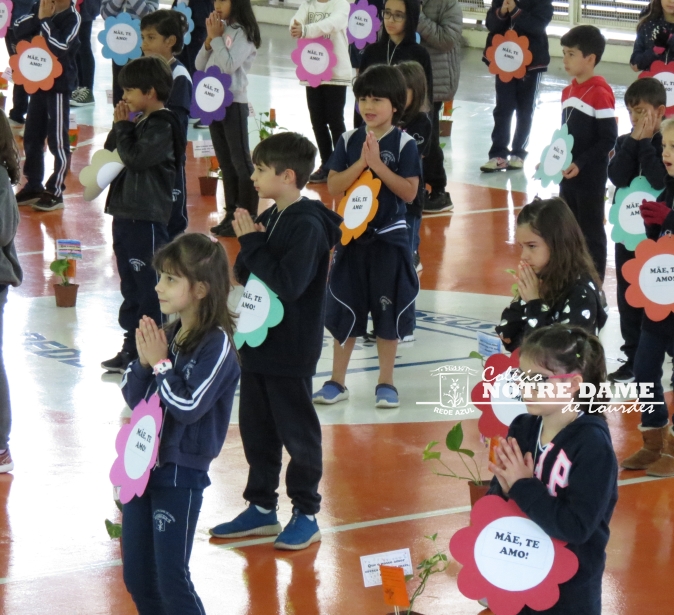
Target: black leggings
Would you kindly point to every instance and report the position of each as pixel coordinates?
(326, 109)
(86, 64)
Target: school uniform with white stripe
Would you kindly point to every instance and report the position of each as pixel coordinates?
(588, 109)
(196, 397)
(48, 112)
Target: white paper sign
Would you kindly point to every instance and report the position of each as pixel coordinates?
(253, 307)
(251, 111)
(122, 39)
(7, 75)
(370, 565)
(629, 213)
(202, 149)
(555, 158)
(508, 56)
(108, 94)
(358, 207)
(315, 58)
(514, 554)
(667, 79)
(656, 279)
(488, 345)
(139, 447)
(210, 94)
(35, 64)
(360, 24)
(72, 125)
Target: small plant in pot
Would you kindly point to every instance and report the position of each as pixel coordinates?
(265, 124)
(477, 487)
(446, 121)
(208, 184)
(65, 291)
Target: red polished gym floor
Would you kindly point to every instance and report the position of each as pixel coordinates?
(378, 495)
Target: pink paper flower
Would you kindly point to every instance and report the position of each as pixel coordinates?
(315, 60)
(363, 24)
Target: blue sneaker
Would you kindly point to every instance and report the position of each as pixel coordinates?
(330, 393)
(387, 396)
(299, 533)
(251, 522)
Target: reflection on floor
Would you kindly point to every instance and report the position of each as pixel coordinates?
(55, 556)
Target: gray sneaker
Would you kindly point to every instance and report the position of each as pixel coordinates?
(82, 97)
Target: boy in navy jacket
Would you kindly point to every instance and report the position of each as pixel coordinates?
(588, 110)
(288, 249)
(527, 18)
(636, 153)
(49, 112)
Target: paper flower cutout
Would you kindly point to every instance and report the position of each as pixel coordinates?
(359, 206)
(363, 24)
(120, 38)
(34, 66)
(625, 215)
(665, 74)
(499, 409)
(96, 177)
(187, 11)
(509, 56)
(315, 60)
(137, 445)
(5, 16)
(509, 560)
(211, 95)
(259, 309)
(651, 277)
(556, 157)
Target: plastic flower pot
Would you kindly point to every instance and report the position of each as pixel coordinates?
(208, 185)
(446, 128)
(66, 296)
(477, 490)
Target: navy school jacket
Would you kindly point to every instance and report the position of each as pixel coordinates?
(180, 99)
(654, 33)
(633, 157)
(419, 128)
(571, 497)
(196, 395)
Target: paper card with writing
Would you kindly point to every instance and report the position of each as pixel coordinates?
(509, 560)
(651, 277)
(187, 11)
(363, 24)
(625, 213)
(137, 445)
(393, 586)
(5, 16)
(100, 172)
(556, 157)
(315, 59)
(203, 149)
(120, 38)
(7, 75)
(488, 345)
(211, 95)
(359, 206)
(664, 73)
(34, 66)
(258, 310)
(497, 395)
(69, 248)
(370, 565)
(509, 56)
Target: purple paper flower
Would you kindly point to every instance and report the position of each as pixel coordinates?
(211, 95)
(315, 60)
(363, 24)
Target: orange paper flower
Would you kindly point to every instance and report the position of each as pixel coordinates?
(651, 277)
(509, 56)
(34, 66)
(359, 206)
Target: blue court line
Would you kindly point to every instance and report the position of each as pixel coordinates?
(376, 367)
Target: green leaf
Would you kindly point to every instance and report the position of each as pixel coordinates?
(466, 451)
(119, 505)
(454, 438)
(114, 529)
(475, 355)
(514, 289)
(511, 271)
(431, 455)
(408, 577)
(432, 537)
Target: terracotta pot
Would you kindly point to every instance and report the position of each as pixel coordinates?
(66, 296)
(477, 491)
(446, 128)
(208, 185)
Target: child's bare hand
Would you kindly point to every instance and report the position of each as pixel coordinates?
(151, 341)
(214, 26)
(296, 29)
(512, 465)
(141, 356)
(122, 112)
(371, 151)
(528, 283)
(571, 171)
(47, 9)
(244, 224)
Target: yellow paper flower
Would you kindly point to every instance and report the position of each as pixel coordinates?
(105, 166)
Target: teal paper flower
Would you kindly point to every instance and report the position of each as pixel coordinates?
(556, 157)
(120, 38)
(258, 310)
(625, 215)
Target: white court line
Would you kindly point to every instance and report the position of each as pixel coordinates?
(267, 539)
(467, 213)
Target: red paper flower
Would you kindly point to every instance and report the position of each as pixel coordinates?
(497, 414)
(665, 74)
(509, 560)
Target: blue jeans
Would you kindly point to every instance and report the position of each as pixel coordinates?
(648, 369)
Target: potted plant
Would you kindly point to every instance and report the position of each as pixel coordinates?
(265, 124)
(447, 120)
(476, 486)
(65, 291)
(208, 184)
(115, 529)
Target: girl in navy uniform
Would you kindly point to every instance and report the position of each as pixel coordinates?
(194, 369)
(556, 278)
(655, 40)
(559, 466)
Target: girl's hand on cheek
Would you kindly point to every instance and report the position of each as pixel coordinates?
(528, 283)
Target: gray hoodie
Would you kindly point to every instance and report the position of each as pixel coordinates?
(10, 270)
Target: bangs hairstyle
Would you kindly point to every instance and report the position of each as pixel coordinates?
(562, 349)
(9, 152)
(382, 81)
(167, 23)
(242, 15)
(647, 90)
(146, 73)
(412, 12)
(415, 80)
(198, 259)
(287, 150)
(666, 126)
(553, 221)
(587, 39)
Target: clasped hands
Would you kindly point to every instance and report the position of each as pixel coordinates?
(150, 342)
(243, 223)
(510, 464)
(369, 155)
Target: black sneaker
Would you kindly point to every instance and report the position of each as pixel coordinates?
(224, 229)
(28, 197)
(438, 202)
(198, 125)
(119, 363)
(48, 202)
(622, 375)
(319, 177)
(82, 97)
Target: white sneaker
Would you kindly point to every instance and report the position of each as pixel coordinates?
(494, 164)
(408, 338)
(515, 163)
